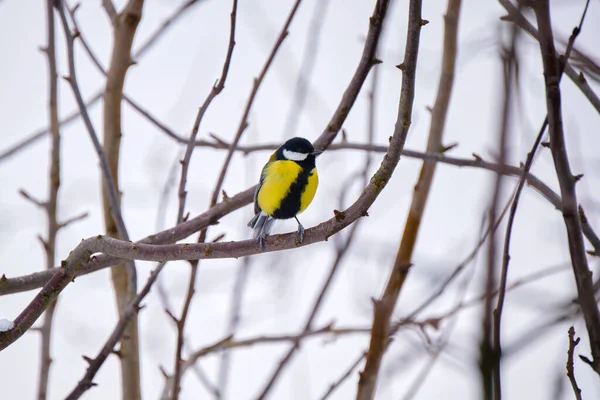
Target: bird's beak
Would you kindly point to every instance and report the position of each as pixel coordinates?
(317, 152)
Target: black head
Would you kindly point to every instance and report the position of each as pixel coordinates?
(299, 150)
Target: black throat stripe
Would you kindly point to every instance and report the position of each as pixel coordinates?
(290, 205)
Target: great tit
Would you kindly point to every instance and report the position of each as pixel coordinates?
(287, 186)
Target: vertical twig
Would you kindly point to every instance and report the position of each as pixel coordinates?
(384, 307)
(566, 180)
(489, 362)
(570, 365)
(124, 278)
(51, 204)
(216, 89)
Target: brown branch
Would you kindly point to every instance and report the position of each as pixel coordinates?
(583, 276)
(124, 277)
(513, 210)
(578, 79)
(570, 365)
(51, 204)
(384, 307)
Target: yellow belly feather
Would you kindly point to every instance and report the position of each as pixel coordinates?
(279, 176)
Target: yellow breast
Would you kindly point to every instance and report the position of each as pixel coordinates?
(278, 177)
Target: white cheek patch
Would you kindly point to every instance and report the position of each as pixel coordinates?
(294, 156)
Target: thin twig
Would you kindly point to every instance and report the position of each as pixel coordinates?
(570, 366)
(566, 180)
(52, 204)
(216, 89)
(513, 210)
(490, 346)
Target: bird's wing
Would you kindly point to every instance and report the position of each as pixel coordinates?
(260, 183)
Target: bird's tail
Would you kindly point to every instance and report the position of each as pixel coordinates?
(261, 225)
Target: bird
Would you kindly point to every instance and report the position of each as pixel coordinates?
(288, 183)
